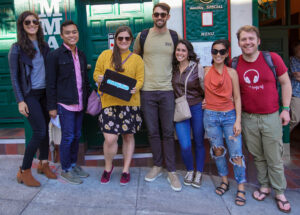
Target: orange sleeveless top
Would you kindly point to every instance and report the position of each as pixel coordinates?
(218, 90)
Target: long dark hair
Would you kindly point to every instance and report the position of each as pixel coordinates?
(191, 53)
(23, 40)
(116, 59)
(226, 44)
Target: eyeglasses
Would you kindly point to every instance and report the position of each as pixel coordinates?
(221, 51)
(34, 21)
(120, 39)
(162, 15)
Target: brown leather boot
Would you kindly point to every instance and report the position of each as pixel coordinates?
(25, 176)
(43, 168)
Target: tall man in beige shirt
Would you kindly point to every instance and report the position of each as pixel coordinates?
(157, 97)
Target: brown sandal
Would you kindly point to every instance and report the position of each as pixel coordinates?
(283, 203)
(260, 193)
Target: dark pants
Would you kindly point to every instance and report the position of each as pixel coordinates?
(71, 123)
(158, 107)
(38, 119)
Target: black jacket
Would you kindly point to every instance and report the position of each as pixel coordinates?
(20, 65)
(61, 78)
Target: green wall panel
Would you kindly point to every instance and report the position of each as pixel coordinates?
(206, 20)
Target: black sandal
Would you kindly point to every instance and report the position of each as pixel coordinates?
(283, 203)
(239, 198)
(221, 189)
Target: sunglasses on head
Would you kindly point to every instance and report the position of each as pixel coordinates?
(122, 38)
(162, 15)
(221, 51)
(35, 22)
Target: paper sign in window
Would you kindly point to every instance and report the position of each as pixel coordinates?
(207, 18)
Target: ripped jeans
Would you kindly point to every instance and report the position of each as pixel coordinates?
(217, 123)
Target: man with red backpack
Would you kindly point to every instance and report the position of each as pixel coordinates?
(261, 120)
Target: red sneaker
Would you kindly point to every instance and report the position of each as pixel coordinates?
(125, 178)
(105, 178)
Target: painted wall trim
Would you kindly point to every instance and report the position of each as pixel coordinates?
(255, 12)
(241, 14)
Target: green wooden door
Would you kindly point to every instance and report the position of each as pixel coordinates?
(276, 40)
(9, 115)
(100, 18)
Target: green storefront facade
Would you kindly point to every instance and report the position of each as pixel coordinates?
(95, 19)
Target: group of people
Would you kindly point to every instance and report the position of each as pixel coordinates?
(238, 102)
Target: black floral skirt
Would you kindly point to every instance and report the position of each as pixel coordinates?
(120, 119)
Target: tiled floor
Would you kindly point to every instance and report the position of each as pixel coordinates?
(292, 169)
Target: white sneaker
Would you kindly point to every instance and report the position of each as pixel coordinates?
(174, 181)
(188, 178)
(197, 180)
(154, 173)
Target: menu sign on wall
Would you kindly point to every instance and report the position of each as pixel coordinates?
(206, 20)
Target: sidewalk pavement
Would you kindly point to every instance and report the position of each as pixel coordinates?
(139, 197)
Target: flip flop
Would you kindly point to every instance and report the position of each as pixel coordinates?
(239, 198)
(221, 189)
(283, 203)
(260, 193)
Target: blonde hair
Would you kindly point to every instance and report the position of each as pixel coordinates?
(248, 28)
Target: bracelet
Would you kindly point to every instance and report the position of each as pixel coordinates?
(286, 109)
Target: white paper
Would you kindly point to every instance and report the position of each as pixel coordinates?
(203, 51)
(207, 18)
(55, 121)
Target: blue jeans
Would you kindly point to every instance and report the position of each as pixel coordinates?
(183, 131)
(71, 123)
(216, 124)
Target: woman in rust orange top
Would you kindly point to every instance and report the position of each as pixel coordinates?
(222, 116)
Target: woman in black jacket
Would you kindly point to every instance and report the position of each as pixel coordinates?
(27, 68)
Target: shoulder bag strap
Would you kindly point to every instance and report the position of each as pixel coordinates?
(190, 72)
(127, 58)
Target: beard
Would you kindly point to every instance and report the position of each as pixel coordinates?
(161, 25)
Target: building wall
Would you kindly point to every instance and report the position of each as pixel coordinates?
(241, 14)
(175, 22)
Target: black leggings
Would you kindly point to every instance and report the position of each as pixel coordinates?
(38, 119)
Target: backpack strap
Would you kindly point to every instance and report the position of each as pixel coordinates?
(145, 33)
(174, 36)
(143, 37)
(234, 62)
(269, 61)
